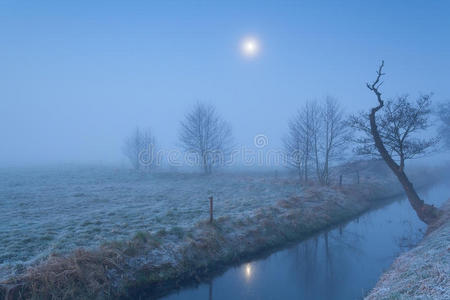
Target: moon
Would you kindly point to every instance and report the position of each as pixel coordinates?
(250, 47)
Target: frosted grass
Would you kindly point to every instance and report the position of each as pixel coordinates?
(59, 209)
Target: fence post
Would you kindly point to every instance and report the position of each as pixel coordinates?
(210, 290)
(210, 209)
(340, 180)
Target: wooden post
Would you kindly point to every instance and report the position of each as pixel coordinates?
(210, 209)
(340, 180)
(210, 290)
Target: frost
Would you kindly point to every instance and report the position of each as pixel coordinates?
(423, 272)
(57, 210)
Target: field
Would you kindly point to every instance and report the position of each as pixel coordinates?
(142, 232)
(45, 210)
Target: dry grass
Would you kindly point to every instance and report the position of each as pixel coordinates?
(80, 275)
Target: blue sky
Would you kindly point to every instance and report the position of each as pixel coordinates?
(77, 76)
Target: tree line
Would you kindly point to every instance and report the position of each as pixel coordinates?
(318, 135)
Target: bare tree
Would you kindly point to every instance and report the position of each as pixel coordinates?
(444, 116)
(334, 134)
(294, 146)
(205, 134)
(315, 124)
(139, 148)
(299, 143)
(392, 135)
(317, 135)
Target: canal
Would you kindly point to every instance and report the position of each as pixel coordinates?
(342, 263)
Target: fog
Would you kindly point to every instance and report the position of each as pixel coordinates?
(77, 77)
(184, 149)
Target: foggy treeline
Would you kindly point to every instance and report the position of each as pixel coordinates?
(319, 136)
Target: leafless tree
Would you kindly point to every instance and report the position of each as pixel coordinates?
(294, 146)
(317, 135)
(392, 134)
(206, 135)
(315, 114)
(333, 133)
(299, 142)
(139, 148)
(444, 116)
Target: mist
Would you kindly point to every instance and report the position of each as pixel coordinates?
(224, 150)
(78, 77)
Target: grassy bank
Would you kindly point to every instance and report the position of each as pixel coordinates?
(153, 263)
(423, 272)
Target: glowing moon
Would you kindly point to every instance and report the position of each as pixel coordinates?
(248, 271)
(250, 47)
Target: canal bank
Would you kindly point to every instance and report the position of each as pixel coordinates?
(424, 271)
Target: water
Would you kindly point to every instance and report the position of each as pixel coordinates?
(343, 263)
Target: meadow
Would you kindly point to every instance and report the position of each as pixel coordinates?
(54, 209)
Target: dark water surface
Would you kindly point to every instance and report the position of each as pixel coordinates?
(343, 263)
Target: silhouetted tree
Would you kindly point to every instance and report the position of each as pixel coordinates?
(205, 134)
(139, 148)
(392, 134)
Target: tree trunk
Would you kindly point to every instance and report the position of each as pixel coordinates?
(316, 160)
(300, 174)
(306, 167)
(325, 168)
(427, 213)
